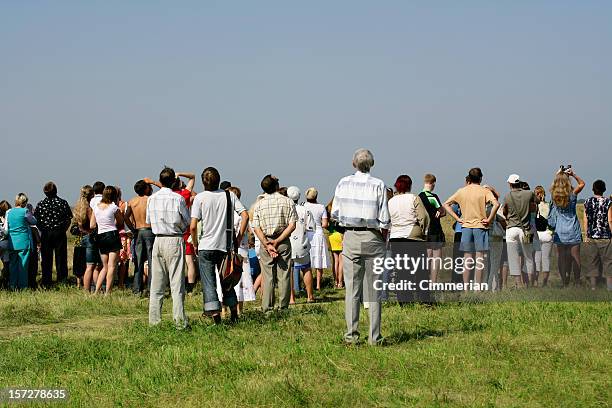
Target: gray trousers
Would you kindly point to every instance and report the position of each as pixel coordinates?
(276, 270)
(359, 250)
(167, 264)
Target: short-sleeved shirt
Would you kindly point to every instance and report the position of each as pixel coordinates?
(318, 212)
(273, 213)
(472, 200)
(518, 203)
(360, 201)
(167, 213)
(210, 207)
(432, 204)
(596, 209)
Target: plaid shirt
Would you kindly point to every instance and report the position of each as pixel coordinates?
(167, 213)
(273, 213)
(360, 201)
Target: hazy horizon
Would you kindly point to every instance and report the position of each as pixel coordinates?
(114, 91)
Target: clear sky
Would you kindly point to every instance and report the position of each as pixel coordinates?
(113, 90)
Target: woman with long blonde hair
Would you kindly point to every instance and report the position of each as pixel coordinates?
(82, 215)
(563, 219)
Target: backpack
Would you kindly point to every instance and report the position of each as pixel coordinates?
(541, 222)
(300, 244)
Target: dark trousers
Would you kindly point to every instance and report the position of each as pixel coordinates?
(54, 242)
(33, 269)
(144, 253)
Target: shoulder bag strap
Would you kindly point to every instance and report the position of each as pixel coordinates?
(229, 224)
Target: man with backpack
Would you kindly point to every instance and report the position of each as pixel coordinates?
(300, 245)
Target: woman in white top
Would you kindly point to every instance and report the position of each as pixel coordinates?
(318, 241)
(409, 218)
(108, 219)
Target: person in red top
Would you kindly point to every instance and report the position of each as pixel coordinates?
(186, 191)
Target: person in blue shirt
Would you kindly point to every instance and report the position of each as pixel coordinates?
(17, 225)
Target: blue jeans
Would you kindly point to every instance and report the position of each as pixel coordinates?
(209, 261)
(144, 252)
(92, 255)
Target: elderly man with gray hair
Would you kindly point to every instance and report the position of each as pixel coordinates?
(360, 205)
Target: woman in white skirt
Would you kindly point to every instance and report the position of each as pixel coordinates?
(318, 241)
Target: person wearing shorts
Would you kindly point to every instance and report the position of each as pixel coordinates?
(108, 219)
(473, 200)
(598, 220)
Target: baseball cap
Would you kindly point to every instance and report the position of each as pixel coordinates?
(514, 178)
(293, 193)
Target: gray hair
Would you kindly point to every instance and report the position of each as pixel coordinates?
(363, 160)
(21, 200)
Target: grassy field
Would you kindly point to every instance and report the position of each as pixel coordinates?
(506, 354)
(490, 354)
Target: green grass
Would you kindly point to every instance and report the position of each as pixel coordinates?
(472, 354)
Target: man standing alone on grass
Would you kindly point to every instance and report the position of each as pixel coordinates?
(169, 218)
(54, 217)
(473, 200)
(274, 220)
(211, 208)
(360, 205)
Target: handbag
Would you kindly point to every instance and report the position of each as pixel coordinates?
(79, 264)
(230, 272)
(552, 216)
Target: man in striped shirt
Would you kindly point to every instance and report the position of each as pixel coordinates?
(360, 205)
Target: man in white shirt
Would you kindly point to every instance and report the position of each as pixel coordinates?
(98, 188)
(210, 207)
(360, 205)
(169, 218)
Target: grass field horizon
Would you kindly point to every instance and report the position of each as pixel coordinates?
(475, 352)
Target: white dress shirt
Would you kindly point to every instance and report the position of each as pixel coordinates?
(167, 213)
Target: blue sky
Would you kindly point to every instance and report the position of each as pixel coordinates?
(114, 90)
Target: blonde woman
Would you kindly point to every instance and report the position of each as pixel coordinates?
(82, 217)
(17, 225)
(567, 235)
(318, 242)
(543, 245)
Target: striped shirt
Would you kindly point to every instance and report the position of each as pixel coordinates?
(273, 213)
(167, 213)
(361, 201)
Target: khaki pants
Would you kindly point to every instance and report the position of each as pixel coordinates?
(359, 250)
(276, 270)
(167, 264)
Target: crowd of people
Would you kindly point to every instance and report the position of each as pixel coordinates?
(173, 237)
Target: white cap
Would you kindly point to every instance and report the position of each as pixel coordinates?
(293, 193)
(514, 178)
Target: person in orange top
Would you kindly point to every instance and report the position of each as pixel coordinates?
(473, 199)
